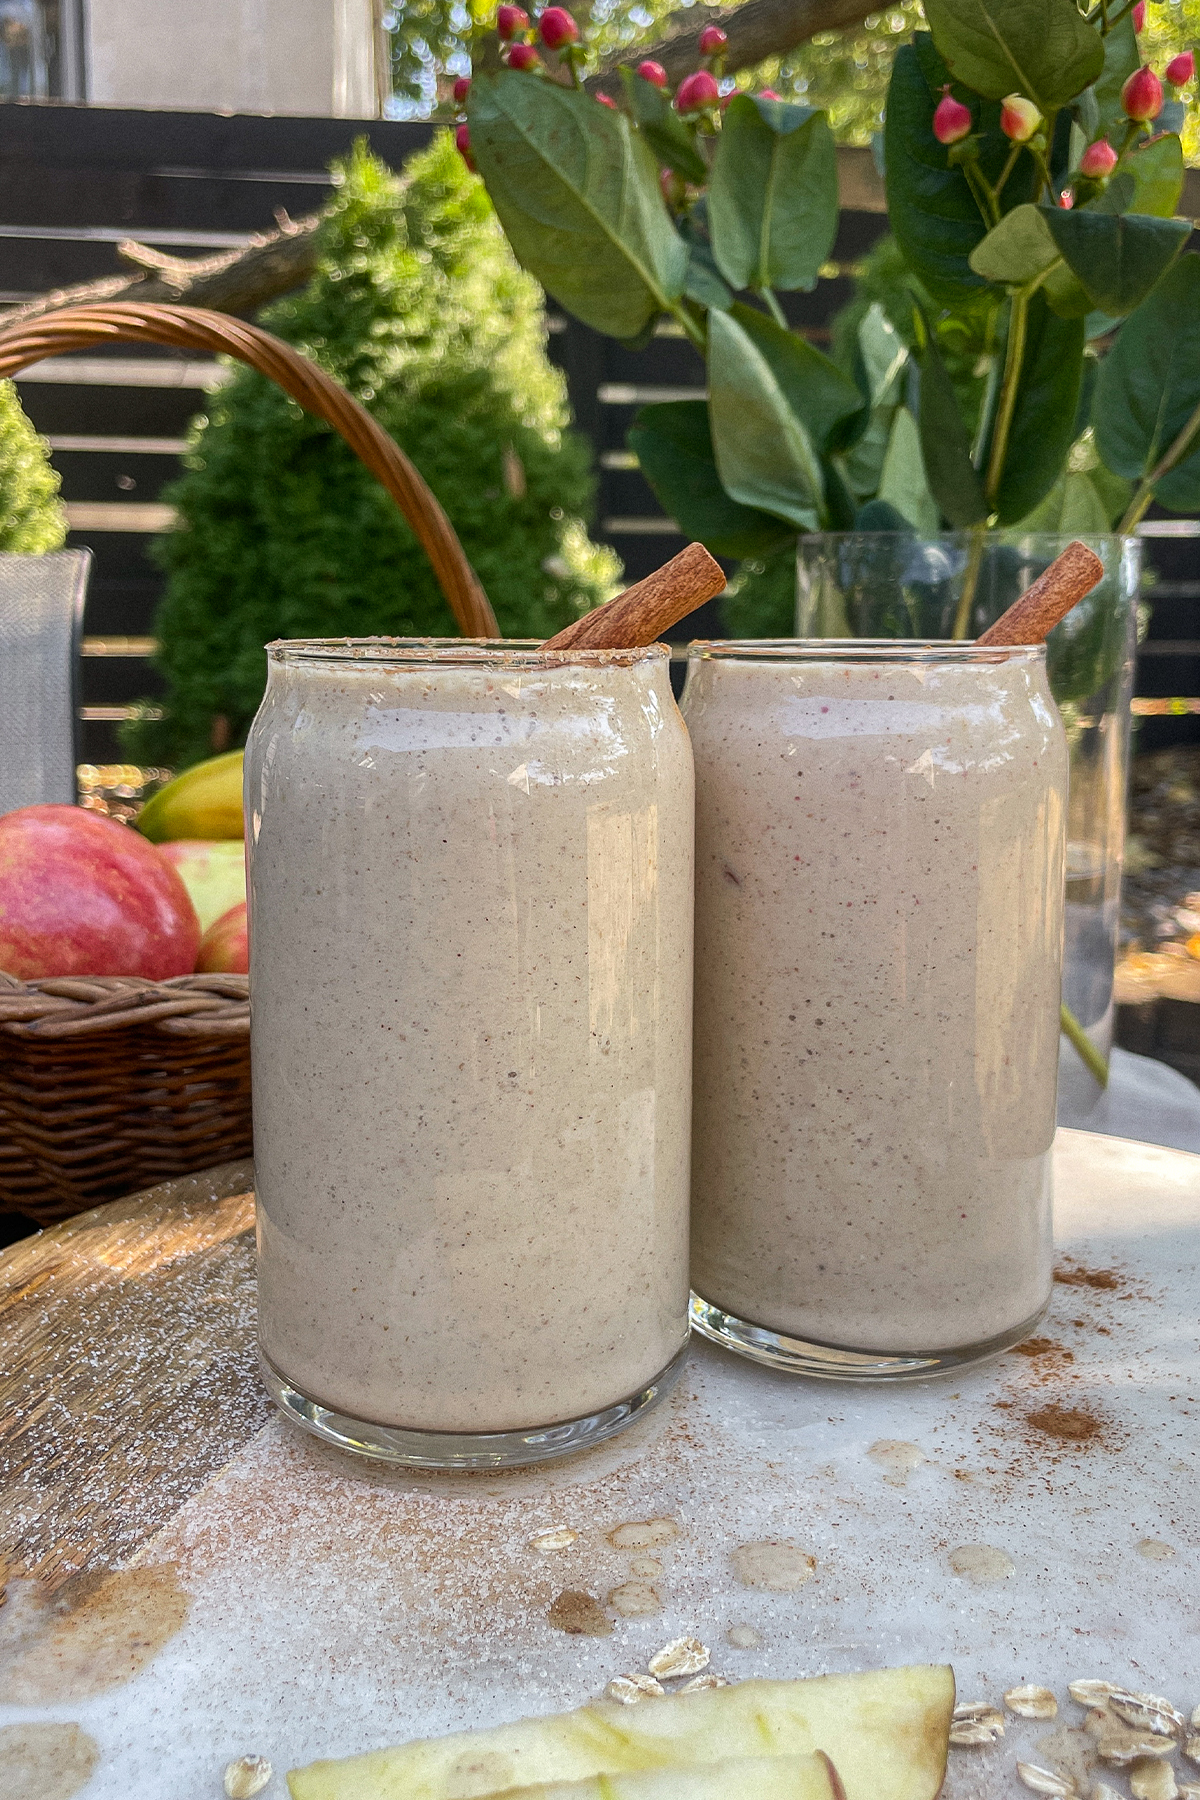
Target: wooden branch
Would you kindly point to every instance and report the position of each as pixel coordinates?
(761, 29)
(234, 281)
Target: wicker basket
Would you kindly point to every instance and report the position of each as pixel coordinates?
(108, 1085)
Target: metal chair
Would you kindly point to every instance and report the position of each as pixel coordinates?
(41, 615)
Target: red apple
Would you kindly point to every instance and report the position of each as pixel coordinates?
(82, 895)
(225, 946)
(213, 870)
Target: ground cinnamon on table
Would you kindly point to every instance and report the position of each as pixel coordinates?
(1080, 1277)
(1068, 1424)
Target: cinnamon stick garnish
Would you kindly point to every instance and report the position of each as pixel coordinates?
(1032, 618)
(644, 611)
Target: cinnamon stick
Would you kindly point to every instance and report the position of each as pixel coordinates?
(644, 611)
(1032, 618)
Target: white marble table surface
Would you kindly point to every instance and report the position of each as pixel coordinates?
(334, 1607)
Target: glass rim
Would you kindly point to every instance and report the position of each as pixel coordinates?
(453, 653)
(861, 650)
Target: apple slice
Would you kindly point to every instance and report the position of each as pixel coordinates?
(886, 1733)
(749, 1778)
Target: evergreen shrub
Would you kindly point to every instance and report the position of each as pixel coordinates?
(419, 309)
(31, 519)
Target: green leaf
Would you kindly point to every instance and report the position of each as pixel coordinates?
(702, 282)
(673, 445)
(945, 442)
(1098, 260)
(665, 132)
(1044, 418)
(1040, 48)
(1121, 58)
(775, 404)
(933, 213)
(772, 197)
(1072, 508)
(877, 515)
(1151, 181)
(840, 505)
(576, 190)
(1149, 387)
(1020, 249)
(884, 354)
(883, 361)
(902, 483)
(1117, 258)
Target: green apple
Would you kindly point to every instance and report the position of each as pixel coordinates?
(213, 870)
(749, 1778)
(886, 1733)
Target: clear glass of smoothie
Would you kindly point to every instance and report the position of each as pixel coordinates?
(470, 871)
(879, 920)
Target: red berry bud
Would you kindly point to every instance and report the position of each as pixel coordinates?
(653, 72)
(510, 20)
(462, 140)
(1181, 69)
(1019, 118)
(951, 119)
(766, 94)
(462, 88)
(1138, 15)
(523, 56)
(696, 92)
(712, 40)
(557, 28)
(1098, 160)
(1066, 199)
(1142, 96)
(607, 100)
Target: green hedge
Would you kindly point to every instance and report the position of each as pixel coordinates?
(419, 308)
(31, 519)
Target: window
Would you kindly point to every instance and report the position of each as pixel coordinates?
(41, 50)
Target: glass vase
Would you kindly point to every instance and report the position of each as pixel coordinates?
(880, 584)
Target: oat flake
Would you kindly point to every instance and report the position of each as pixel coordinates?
(682, 1656)
(247, 1776)
(1153, 1781)
(1031, 1702)
(1045, 1781)
(561, 1539)
(974, 1733)
(629, 1689)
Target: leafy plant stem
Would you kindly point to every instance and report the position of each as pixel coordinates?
(689, 324)
(1006, 171)
(1039, 157)
(962, 617)
(1014, 351)
(1114, 19)
(1145, 488)
(1078, 1038)
(1131, 131)
(776, 311)
(981, 188)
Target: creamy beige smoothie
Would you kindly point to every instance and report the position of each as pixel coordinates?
(471, 892)
(879, 845)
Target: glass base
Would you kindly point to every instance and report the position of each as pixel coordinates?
(833, 1363)
(464, 1449)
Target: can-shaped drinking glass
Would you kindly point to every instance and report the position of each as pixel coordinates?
(470, 872)
(879, 916)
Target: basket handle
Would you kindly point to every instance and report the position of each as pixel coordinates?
(196, 328)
